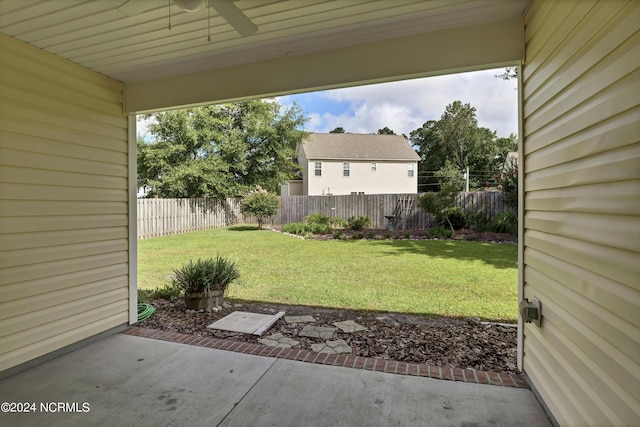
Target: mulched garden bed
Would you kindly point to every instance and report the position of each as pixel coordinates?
(413, 234)
(441, 341)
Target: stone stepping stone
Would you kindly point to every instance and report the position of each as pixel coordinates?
(278, 340)
(317, 332)
(349, 326)
(299, 319)
(245, 322)
(334, 347)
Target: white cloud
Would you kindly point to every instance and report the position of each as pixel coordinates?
(405, 105)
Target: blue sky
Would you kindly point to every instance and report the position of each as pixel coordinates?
(405, 105)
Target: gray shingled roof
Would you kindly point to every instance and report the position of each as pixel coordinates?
(351, 146)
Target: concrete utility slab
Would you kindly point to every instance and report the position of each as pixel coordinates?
(247, 323)
(129, 381)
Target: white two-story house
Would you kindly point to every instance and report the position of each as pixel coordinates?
(347, 163)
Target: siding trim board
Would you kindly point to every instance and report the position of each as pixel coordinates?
(581, 208)
(132, 224)
(64, 208)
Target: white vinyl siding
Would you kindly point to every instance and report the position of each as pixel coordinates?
(581, 121)
(63, 204)
(390, 178)
(305, 165)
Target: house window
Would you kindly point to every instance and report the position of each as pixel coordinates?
(346, 169)
(354, 193)
(374, 167)
(410, 170)
(318, 168)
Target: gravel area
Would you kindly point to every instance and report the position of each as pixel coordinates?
(441, 341)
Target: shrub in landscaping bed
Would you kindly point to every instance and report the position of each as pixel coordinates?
(317, 218)
(358, 223)
(261, 204)
(437, 232)
(301, 228)
(338, 222)
(505, 222)
(294, 228)
(478, 220)
(455, 215)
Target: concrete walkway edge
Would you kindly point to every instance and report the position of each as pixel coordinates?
(343, 360)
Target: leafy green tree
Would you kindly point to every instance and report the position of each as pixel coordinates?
(509, 73)
(385, 131)
(220, 150)
(503, 147)
(338, 130)
(426, 142)
(459, 133)
(456, 141)
(450, 175)
(508, 183)
(261, 204)
(442, 205)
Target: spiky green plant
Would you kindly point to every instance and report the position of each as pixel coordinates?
(206, 275)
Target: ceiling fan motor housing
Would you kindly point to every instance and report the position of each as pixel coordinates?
(191, 5)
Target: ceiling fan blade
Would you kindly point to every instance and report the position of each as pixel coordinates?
(135, 7)
(234, 16)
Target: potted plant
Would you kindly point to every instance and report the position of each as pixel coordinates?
(205, 281)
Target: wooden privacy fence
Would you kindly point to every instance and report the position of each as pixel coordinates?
(377, 206)
(162, 217)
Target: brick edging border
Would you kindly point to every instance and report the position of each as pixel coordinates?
(344, 360)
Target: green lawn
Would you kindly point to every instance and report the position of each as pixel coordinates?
(449, 278)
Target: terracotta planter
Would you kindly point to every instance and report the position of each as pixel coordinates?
(202, 301)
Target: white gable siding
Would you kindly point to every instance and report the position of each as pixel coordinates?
(388, 178)
(581, 91)
(63, 204)
(303, 162)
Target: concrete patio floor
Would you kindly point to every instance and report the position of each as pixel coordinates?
(126, 380)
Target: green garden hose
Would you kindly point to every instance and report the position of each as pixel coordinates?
(145, 311)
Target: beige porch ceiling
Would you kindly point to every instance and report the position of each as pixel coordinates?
(300, 44)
